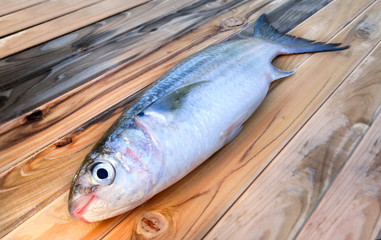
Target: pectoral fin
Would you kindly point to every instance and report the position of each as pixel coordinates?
(173, 100)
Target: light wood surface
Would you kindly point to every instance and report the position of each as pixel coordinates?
(39, 13)
(313, 140)
(10, 6)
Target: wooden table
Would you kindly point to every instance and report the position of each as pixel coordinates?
(307, 164)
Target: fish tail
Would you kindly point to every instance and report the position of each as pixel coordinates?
(292, 44)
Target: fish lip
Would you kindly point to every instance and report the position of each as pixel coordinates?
(78, 210)
(80, 218)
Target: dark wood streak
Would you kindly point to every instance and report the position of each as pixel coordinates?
(10, 137)
(293, 10)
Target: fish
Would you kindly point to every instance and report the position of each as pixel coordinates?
(186, 116)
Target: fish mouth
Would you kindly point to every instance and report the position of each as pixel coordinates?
(78, 207)
(83, 209)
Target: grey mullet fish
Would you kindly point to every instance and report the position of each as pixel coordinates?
(187, 115)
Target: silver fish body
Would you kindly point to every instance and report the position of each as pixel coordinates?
(189, 114)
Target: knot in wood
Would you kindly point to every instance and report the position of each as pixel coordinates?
(233, 22)
(358, 129)
(364, 30)
(63, 142)
(35, 116)
(151, 224)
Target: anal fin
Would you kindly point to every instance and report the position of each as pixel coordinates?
(276, 73)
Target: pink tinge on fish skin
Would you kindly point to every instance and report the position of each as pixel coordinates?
(129, 153)
(78, 213)
(153, 148)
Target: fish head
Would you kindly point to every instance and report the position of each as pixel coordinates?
(108, 184)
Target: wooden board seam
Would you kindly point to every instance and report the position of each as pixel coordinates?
(19, 9)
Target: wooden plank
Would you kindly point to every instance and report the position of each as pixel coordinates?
(40, 13)
(183, 202)
(351, 208)
(62, 25)
(10, 6)
(278, 203)
(74, 159)
(101, 91)
(190, 207)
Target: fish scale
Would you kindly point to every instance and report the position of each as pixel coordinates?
(186, 116)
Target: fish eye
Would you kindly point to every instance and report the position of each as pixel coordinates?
(103, 173)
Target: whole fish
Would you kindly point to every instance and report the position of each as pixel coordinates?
(187, 115)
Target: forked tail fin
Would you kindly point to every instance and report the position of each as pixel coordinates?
(293, 44)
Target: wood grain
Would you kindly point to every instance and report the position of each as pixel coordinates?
(191, 206)
(58, 224)
(278, 203)
(190, 39)
(351, 208)
(35, 76)
(62, 25)
(40, 13)
(10, 6)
